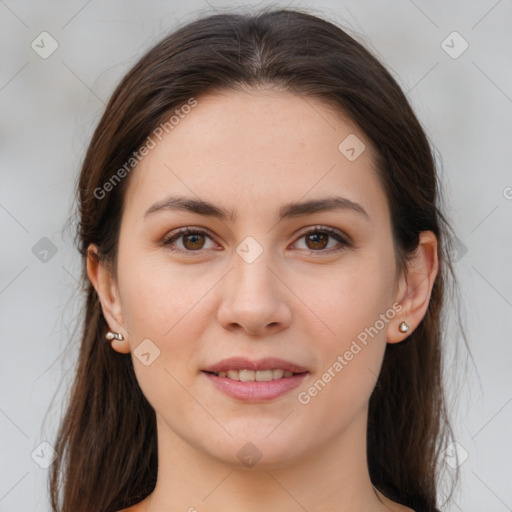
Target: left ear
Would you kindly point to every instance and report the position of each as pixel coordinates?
(415, 287)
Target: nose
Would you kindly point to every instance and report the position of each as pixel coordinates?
(254, 300)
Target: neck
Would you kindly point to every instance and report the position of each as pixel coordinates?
(333, 476)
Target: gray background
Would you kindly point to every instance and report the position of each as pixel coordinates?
(49, 108)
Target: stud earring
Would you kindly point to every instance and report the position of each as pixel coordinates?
(403, 327)
(114, 336)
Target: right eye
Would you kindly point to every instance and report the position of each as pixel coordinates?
(192, 240)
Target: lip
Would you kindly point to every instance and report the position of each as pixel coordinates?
(254, 391)
(267, 363)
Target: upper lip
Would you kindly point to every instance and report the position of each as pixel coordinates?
(242, 363)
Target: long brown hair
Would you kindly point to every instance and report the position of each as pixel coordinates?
(106, 444)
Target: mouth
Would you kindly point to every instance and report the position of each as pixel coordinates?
(255, 391)
(255, 381)
(246, 375)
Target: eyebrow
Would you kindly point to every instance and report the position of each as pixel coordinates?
(286, 211)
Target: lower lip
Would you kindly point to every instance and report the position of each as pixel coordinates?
(254, 391)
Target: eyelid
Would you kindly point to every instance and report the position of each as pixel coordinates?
(343, 240)
(331, 231)
(176, 234)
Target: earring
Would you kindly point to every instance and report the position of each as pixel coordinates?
(403, 327)
(114, 336)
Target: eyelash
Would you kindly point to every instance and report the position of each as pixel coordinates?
(344, 242)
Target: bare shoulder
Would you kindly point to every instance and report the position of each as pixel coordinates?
(393, 505)
(400, 508)
(396, 507)
(133, 508)
(141, 506)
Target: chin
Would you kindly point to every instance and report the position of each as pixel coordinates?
(260, 447)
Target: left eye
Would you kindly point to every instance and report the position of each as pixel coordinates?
(316, 240)
(194, 236)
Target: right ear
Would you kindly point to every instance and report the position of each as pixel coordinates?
(108, 292)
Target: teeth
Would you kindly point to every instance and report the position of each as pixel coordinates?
(233, 374)
(258, 376)
(277, 374)
(246, 375)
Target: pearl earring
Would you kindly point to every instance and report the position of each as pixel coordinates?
(403, 327)
(114, 336)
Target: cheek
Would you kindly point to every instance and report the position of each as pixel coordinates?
(156, 296)
(351, 358)
(356, 308)
(350, 299)
(162, 306)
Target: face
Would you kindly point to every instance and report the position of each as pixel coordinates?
(314, 288)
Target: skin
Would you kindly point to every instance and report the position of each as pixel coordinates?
(253, 151)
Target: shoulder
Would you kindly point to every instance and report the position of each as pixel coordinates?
(393, 505)
(141, 506)
(418, 505)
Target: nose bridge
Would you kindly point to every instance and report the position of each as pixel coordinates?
(252, 296)
(252, 276)
(252, 261)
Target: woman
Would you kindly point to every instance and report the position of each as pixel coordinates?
(264, 261)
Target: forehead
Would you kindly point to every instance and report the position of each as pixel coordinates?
(244, 150)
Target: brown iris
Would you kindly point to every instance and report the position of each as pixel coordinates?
(318, 238)
(196, 243)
